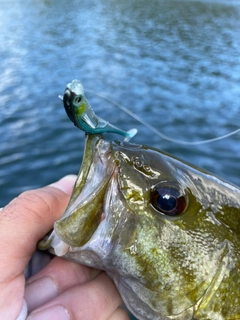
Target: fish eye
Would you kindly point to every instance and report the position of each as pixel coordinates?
(78, 99)
(168, 200)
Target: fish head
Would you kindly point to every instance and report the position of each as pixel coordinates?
(153, 223)
(74, 101)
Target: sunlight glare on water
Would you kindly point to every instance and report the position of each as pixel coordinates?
(176, 64)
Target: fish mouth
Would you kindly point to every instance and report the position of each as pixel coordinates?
(85, 210)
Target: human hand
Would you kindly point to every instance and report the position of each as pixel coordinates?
(62, 289)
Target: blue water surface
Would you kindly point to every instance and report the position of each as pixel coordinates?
(174, 63)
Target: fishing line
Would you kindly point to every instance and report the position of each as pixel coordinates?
(149, 126)
(156, 131)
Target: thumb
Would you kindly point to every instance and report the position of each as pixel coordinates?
(25, 220)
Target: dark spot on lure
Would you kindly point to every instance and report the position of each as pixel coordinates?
(68, 106)
(168, 200)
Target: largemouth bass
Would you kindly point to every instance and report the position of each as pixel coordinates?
(167, 233)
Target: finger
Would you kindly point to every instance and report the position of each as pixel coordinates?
(26, 220)
(119, 314)
(96, 299)
(58, 276)
(22, 223)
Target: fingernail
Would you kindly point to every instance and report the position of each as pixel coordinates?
(56, 312)
(23, 313)
(40, 292)
(65, 184)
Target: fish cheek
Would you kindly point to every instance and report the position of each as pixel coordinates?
(160, 246)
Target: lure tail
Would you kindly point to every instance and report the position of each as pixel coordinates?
(130, 134)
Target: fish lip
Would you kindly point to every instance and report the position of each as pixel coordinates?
(98, 167)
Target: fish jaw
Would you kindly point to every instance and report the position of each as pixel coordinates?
(85, 211)
(94, 223)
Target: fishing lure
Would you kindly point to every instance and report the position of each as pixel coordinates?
(82, 115)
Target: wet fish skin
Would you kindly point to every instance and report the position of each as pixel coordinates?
(182, 265)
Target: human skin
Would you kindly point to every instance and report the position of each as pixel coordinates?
(62, 289)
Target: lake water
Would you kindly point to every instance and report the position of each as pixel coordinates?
(174, 63)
